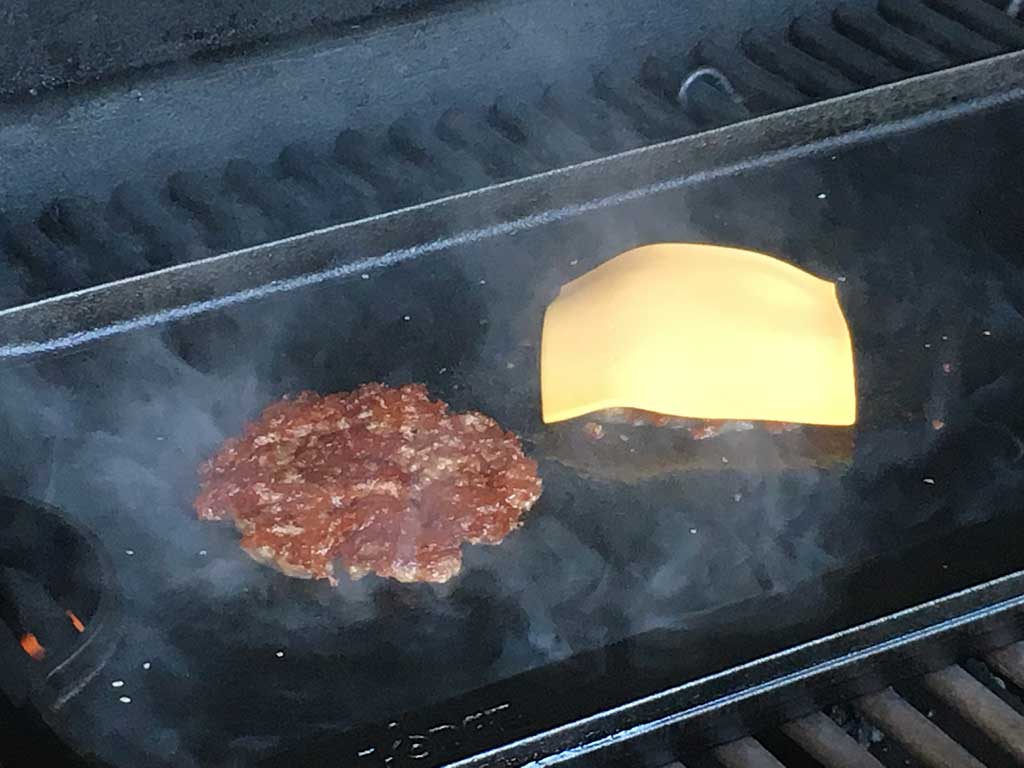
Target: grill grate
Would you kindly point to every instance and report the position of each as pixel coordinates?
(77, 243)
(954, 718)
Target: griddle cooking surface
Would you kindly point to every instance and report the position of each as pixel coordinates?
(923, 231)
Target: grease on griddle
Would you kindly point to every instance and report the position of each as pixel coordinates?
(633, 446)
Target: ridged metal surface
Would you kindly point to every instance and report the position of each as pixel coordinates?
(984, 725)
(76, 243)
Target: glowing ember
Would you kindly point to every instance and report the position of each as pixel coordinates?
(31, 645)
(75, 621)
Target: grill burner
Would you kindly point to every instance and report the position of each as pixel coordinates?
(57, 601)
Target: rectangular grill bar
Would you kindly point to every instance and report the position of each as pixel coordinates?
(829, 744)
(1009, 662)
(746, 753)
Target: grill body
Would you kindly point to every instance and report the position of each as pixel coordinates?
(642, 618)
(593, 599)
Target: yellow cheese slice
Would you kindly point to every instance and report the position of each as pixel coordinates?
(699, 331)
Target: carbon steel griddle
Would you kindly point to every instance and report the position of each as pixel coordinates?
(613, 590)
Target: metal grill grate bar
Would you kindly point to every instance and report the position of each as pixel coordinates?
(983, 18)
(873, 32)
(811, 75)
(325, 182)
(1009, 662)
(259, 188)
(855, 61)
(830, 745)
(746, 753)
(651, 117)
(169, 238)
(980, 707)
(939, 30)
(550, 141)
(975, 707)
(914, 732)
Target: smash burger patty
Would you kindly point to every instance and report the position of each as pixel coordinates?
(381, 479)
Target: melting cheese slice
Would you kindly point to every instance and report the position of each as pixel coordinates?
(699, 331)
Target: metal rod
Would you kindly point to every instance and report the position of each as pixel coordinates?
(917, 734)
(1009, 662)
(829, 744)
(980, 707)
(746, 753)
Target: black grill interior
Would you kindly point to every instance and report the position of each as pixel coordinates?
(59, 237)
(606, 558)
(77, 241)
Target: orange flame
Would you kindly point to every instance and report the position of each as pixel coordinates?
(30, 644)
(75, 621)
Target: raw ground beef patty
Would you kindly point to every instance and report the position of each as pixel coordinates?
(382, 479)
